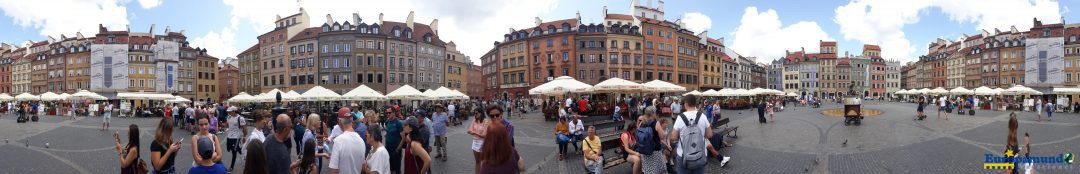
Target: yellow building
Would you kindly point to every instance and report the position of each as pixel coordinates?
(206, 77)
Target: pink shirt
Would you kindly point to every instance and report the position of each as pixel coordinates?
(478, 128)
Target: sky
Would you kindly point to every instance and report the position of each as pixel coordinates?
(764, 29)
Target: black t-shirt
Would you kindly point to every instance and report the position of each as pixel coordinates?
(157, 147)
(278, 157)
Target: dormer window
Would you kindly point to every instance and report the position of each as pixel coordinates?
(397, 33)
(1046, 32)
(427, 38)
(326, 28)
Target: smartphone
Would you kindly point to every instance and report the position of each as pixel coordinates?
(180, 142)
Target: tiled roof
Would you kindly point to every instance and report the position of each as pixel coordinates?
(253, 48)
(871, 47)
(714, 41)
(619, 17)
(306, 34)
(827, 43)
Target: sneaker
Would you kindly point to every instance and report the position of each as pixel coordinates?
(724, 161)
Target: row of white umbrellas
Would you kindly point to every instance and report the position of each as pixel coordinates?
(983, 90)
(728, 92)
(50, 96)
(567, 84)
(360, 93)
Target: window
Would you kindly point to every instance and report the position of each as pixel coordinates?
(565, 56)
(325, 48)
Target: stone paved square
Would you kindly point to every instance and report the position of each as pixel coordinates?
(801, 140)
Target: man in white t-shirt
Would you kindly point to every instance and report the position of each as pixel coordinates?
(379, 160)
(691, 115)
(347, 155)
(941, 107)
(256, 132)
(234, 130)
(577, 130)
(105, 117)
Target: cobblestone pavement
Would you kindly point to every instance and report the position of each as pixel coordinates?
(801, 140)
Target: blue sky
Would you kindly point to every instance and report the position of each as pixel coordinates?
(762, 29)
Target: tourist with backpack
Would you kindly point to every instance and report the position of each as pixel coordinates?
(691, 133)
(649, 134)
(594, 160)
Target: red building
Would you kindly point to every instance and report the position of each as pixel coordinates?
(228, 81)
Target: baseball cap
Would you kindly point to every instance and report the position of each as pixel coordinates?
(232, 109)
(206, 147)
(343, 112)
(411, 121)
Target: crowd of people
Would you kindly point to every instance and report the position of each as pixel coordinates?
(392, 138)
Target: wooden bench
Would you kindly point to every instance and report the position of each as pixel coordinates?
(731, 131)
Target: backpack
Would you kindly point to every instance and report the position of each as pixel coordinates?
(647, 141)
(692, 143)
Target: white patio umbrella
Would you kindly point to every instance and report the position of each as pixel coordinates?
(1066, 90)
(792, 94)
(65, 96)
(318, 93)
(26, 97)
(983, 90)
(694, 92)
(617, 85)
(363, 93)
(662, 86)
(743, 92)
(939, 91)
(240, 98)
(711, 93)
(178, 99)
(6, 97)
(144, 96)
(84, 94)
(1020, 90)
(405, 93)
(290, 96)
(726, 92)
(901, 92)
(561, 85)
(961, 91)
(759, 91)
(49, 96)
(269, 96)
(460, 95)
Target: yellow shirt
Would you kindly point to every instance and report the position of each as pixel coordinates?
(591, 145)
(562, 128)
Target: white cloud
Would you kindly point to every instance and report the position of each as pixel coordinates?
(148, 4)
(220, 44)
(66, 16)
(762, 35)
(472, 24)
(696, 22)
(882, 21)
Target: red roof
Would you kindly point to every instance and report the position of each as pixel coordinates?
(714, 41)
(306, 34)
(253, 48)
(40, 43)
(421, 30)
(827, 43)
(228, 67)
(871, 47)
(843, 62)
(619, 17)
(795, 55)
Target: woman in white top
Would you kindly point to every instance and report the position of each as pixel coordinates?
(378, 159)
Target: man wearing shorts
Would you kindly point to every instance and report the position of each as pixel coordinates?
(106, 116)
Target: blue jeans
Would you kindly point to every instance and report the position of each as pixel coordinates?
(596, 167)
(681, 169)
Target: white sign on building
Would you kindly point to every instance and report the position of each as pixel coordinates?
(1044, 64)
(167, 55)
(108, 67)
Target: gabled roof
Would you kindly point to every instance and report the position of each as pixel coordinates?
(228, 67)
(306, 34)
(827, 43)
(714, 41)
(618, 17)
(421, 30)
(253, 48)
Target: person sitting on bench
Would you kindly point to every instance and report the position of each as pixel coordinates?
(594, 161)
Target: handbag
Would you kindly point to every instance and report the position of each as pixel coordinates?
(562, 138)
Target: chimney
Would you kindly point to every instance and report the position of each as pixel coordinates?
(537, 21)
(356, 19)
(409, 20)
(661, 6)
(605, 10)
(434, 26)
(380, 18)
(579, 16)
(152, 29)
(79, 35)
(167, 29)
(329, 20)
